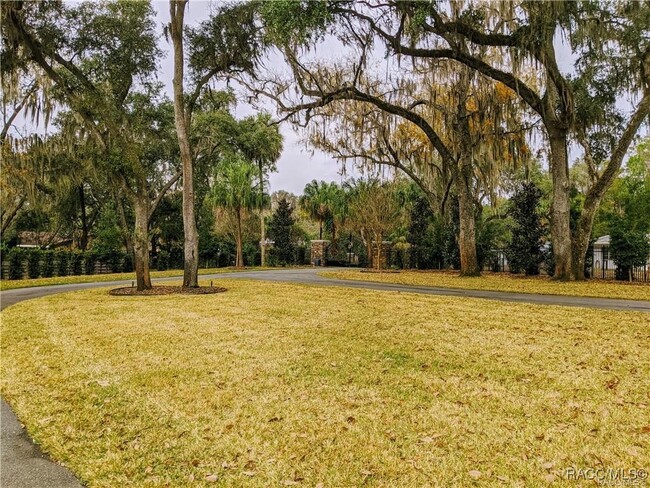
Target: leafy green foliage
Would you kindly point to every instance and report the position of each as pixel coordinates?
(419, 233)
(524, 252)
(34, 263)
(228, 40)
(299, 21)
(63, 263)
(16, 259)
(108, 236)
(47, 263)
(628, 248)
(322, 202)
(281, 232)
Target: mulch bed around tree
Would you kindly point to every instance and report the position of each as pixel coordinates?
(167, 290)
(372, 270)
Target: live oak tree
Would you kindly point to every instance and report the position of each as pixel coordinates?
(613, 52)
(507, 42)
(219, 46)
(100, 59)
(470, 125)
(182, 123)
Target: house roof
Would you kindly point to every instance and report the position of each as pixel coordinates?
(37, 239)
(605, 240)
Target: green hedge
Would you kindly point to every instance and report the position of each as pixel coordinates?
(45, 263)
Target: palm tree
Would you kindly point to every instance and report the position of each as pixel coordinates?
(320, 201)
(235, 191)
(260, 140)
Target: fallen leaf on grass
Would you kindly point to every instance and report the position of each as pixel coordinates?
(476, 474)
(430, 438)
(248, 473)
(211, 478)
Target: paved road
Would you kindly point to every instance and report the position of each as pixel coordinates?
(309, 276)
(24, 466)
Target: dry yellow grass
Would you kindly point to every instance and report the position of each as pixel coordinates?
(68, 280)
(503, 282)
(282, 384)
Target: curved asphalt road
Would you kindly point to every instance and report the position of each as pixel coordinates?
(23, 465)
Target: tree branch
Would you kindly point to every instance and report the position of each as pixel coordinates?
(162, 192)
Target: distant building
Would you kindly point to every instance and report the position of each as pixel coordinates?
(49, 240)
(603, 264)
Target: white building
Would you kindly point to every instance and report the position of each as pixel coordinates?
(602, 257)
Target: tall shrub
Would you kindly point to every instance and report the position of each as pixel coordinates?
(16, 258)
(281, 232)
(524, 252)
(47, 263)
(63, 263)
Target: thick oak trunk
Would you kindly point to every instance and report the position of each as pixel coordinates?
(191, 235)
(467, 234)
(560, 205)
(141, 243)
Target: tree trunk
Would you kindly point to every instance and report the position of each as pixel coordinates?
(560, 205)
(320, 230)
(10, 218)
(191, 235)
(239, 260)
(467, 235)
(582, 236)
(126, 234)
(262, 226)
(580, 242)
(141, 243)
(83, 243)
(378, 243)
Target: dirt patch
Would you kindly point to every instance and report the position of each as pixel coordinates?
(167, 290)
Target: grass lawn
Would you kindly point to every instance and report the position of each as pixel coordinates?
(68, 280)
(503, 282)
(272, 384)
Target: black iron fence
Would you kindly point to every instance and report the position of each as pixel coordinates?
(601, 267)
(604, 268)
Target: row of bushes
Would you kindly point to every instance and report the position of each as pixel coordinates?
(37, 263)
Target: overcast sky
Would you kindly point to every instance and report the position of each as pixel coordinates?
(297, 166)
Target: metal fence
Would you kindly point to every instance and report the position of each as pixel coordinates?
(604, 268)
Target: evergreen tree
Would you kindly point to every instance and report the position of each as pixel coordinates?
(420, 234)
(524, 252)
(281, 232)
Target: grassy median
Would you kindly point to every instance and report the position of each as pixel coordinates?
(272, 384)
(503, 282)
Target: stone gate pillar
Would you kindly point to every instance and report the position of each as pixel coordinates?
(319, 252)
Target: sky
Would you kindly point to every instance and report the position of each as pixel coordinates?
(297, 165)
